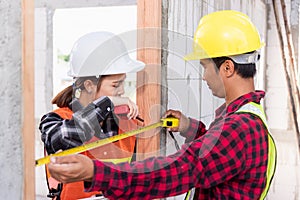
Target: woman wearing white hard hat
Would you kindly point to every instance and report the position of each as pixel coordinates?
(99, 62)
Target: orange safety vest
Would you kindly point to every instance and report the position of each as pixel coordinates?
(120, 151)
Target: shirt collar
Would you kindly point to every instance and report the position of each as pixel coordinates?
(237, 103)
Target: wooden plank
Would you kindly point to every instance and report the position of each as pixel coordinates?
(28, 98)
(149, 80)
(54, 4)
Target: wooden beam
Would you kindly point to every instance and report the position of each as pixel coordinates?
(28, 129)
(55, 4)
(149, 80)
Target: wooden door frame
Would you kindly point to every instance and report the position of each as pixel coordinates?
(149, 15)
(149, 80)
(28, 130)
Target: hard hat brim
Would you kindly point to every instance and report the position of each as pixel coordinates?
(195, 56)
(131, 66)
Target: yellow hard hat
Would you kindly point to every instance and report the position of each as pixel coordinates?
(224, 33)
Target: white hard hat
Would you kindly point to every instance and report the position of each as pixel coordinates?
(101, 53)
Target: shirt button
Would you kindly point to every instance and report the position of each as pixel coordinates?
(108, 109)
(105, 153)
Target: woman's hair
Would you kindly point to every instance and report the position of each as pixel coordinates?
(64, 97)
(244, 70)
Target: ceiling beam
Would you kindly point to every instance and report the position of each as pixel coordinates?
(55, 4)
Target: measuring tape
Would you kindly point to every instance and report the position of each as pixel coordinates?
(167, 122)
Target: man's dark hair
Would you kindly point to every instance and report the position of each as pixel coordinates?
(244, 70)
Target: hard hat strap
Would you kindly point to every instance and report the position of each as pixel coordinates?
(246, 58)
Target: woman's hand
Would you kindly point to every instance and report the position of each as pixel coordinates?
(71, 168)
(184, 122)
(133, 108)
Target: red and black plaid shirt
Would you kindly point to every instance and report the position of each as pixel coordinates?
(228, 161)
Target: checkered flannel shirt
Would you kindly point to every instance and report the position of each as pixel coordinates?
(61, 134)
(228, 161)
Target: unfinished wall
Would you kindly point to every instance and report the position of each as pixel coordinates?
(43, 60)
(277, 105)
(43, 85)
(286, 183)
(11, 154)
(187, 91)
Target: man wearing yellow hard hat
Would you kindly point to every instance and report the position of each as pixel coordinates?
(233, 159)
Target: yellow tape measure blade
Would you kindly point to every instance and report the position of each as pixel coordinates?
(97, 143)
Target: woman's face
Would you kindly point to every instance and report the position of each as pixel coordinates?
(112, 85)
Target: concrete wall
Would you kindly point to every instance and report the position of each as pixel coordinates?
(187, 91)
(278, 109)
(277, 100)
(43, 61)
(43, 86)
(11, 154)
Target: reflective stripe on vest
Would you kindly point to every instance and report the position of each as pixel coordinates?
(190, 194)
(257, 110)
(117, 160)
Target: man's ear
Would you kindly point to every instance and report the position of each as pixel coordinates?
(88, 85)
(228, 68)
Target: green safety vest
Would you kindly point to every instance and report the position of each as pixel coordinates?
(257, 110)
